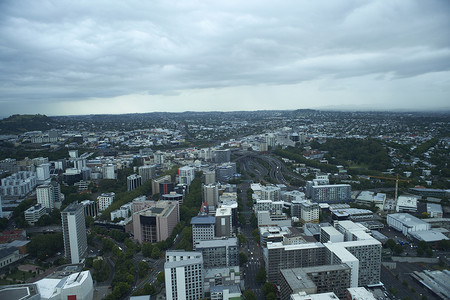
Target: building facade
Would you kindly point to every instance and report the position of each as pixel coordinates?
(74, 232)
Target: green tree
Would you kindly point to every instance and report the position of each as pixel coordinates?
(271, 296)
(243, 259)
(249, 295)
(160, 278)
(390, 243)
(147, 249)
(398, 249)
(268, 288)
(143, 269)
(156, 253)
(261, 275)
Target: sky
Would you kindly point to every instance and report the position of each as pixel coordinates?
(88, 57)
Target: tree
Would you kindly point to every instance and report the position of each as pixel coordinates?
(390, 243)
(271, 296)
(268, 288)
(243, 259)
(249, 295)
(241, 239)
(261, 275)
(147, 249)
(398, 249)
(160, 278)
(156, 253)
(142, 269)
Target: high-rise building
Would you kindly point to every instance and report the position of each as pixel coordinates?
(105, 200)
(156, 182)
(224, 222)
(333, 193)
(210, 195)
(18, 184)
(46, 196)
(186, 174)
(222, 156)
(43, 172)
(156, 223)
(270, 192)
(219, 253)
(270, 139)
(56, 191)
(210, 177)
(147, 172)
(74, 232)
(133, 182)
(184, 275)
(109, 171)
(90, 208)
(305, 210)
(79, 163)
(203, 228)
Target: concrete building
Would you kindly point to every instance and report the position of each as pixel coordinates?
(313, 280)
(74, 232)
(147, 172)
(406, 223)
(109, 171)
(406, 204)
(105, 200)
(210, 177)
(270, 193)
(353, 214)
(275, 207)
(90, 208)
(184, 275)
(218, 253)
(434, 210)
(305, 296)
(293, 196)
(156, 223)
(46, 196)
(34, 213)
(133, 182)
(278, 256)
(309, 212)
(186, 174)
(265, 218)
(173, 196)
(224, 222)
(368, 198)
(222, 156)
(203, 228)
(43, 172)
(18, 184)
(359, 293)
(210, 195)
(225, 292)
(330, 234)
(156, 183)
(334, 193)
(226, 171)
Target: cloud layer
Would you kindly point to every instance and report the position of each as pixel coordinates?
(64, 52)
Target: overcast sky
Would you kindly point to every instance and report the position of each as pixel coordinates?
(81, 57)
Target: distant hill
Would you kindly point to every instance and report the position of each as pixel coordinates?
(16, 124)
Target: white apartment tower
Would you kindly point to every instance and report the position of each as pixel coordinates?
(46, 196)
(184, 275)
(211, 194)
(105, 200)
(74, 233)
(186, 175)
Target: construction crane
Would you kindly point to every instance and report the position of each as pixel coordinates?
(396, 183)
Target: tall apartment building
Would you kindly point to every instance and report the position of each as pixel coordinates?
(279, 256)
(225, 171)
(156, 223)
(43, 172)
(18, 184)
(210, 177)
(147, 172)
(309, 212)
(46, 196)
(109, 171)
(315, 280)
(74, 232)
(210, 194)
(133, 182)
(269, 205)
(219, 253)
(186, 174)
(156, 182)
(184, 275)
(203, 228)
(270, 192)
(320, 179)
(224, 222)
(293, 195)
(333, 193)
(105, 200)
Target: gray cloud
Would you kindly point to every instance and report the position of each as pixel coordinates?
(75, 50)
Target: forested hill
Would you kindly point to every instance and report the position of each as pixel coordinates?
(16, 124)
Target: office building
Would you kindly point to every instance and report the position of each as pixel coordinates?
(79, 163)
(226, 171)
(184, 275)
(218, 253)
(210, 195)
(266, 218)
(186, 174)
(74, 232)
(34, 213)
(370, 198)
(293, 196)
(406, 204)
(90, 208)
(222, 156)
(133, 182)
(224, 222)
(278, 256)
(275, 207)
(306, 211)
(156, 182)
(105, 200)
(434, 210)
(334, 193)
(330, 234)
(203, 228)
(156, 223)
(71, 176)
(166, 187)
(313, 280)
(147, 172)
(56, 192)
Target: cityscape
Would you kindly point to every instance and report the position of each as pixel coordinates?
(302, 204)
(224, 150)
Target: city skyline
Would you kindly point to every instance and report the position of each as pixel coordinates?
(65, 58)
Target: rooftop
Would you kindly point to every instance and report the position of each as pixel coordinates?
(203, 220)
